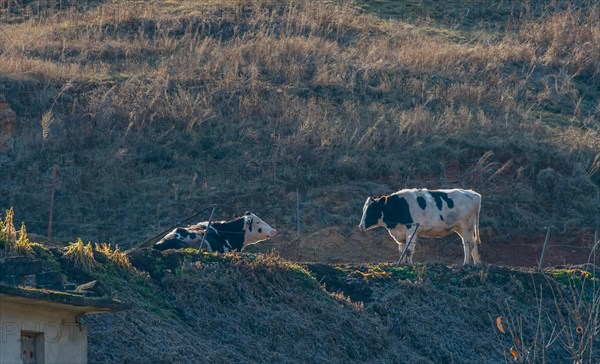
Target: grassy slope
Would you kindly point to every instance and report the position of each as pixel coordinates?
(152, 110)
(197, 307)
(203, 308)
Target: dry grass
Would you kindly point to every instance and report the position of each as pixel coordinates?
(22, 245)
(181, 97)
(567, 319)
(11, 241)
(116, 256)
(82, 255)
(8, 233)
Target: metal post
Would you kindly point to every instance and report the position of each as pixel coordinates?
(297, 212)
(597, 232)
(544, 248)
(408, 244)
(52, 202)
(207, 227)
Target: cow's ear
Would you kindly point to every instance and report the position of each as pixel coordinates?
(371, 199)
(382, 201)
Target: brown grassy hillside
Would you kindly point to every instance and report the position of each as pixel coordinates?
(153, 110)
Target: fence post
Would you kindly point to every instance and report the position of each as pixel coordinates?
(597, 232)
(542, 257)
(52, 202)
(207, 227)
(298, 212)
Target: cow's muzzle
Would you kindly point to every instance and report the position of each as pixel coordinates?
(273, 234)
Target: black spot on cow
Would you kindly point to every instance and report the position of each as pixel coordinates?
(439, 196)
(230, 234)
(422, 202)
(396, 211)
(373, 213)
(182, 232)
(441, 218)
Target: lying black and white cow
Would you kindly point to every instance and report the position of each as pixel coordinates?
(221, 236)
(438, 212)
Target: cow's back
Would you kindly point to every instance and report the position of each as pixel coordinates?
(443, 207)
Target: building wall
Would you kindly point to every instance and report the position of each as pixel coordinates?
(64, 340)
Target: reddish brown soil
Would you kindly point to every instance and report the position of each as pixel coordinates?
(333, 245)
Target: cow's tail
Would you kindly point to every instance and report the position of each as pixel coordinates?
(477, 239)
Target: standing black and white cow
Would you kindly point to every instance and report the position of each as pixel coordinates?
(221, 236)
(438, 213)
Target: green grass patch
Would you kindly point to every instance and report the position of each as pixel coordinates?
(402, 272)
(46, 256)
(573, 277)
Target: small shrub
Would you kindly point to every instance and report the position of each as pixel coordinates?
(22, 246)
(8, 233)
(116, 256)
(8, 236)
(82, 255)
(2, 238)
(571, 277)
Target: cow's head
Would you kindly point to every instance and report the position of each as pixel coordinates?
(256, 230)
(372, 213)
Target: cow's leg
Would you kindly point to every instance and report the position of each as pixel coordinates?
(471, 249)
(401, 247)
(400, 237)
(410, 251)
(475, 254)
(467, 246)
(471, 245)
(413, 244)
(408, 257)
(475, 246)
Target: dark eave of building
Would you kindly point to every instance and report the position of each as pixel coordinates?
(59, 300)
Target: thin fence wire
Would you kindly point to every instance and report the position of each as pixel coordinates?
(129, 227)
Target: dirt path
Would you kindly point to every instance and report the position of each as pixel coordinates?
(333, 245)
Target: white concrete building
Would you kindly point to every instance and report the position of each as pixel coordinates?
(43, 327)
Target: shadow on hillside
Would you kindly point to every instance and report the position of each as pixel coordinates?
(467, 15)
